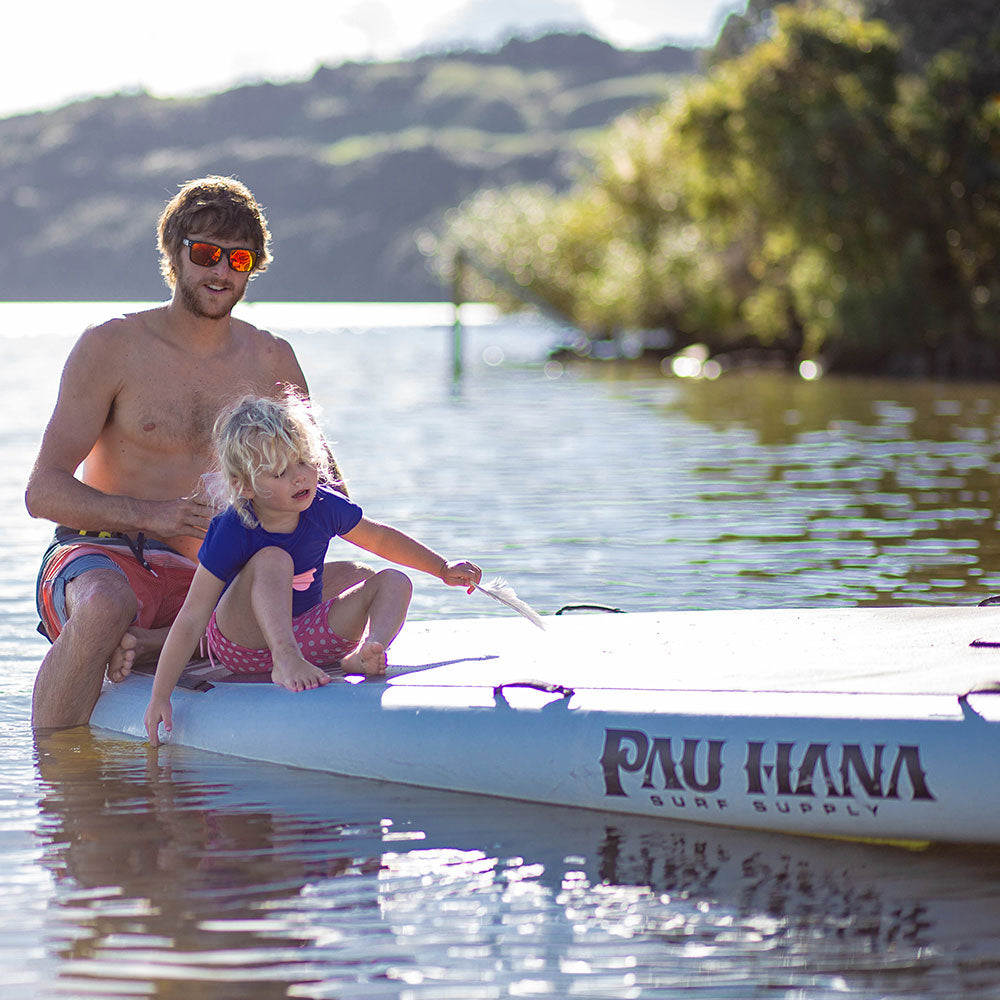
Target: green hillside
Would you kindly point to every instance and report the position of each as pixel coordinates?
(351, 165)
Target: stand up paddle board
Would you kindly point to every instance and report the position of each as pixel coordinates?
(863, 723)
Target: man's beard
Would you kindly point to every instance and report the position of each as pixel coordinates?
(191, 302)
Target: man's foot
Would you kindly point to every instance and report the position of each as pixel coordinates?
(123, 658)
(137, 646)
(298, 675)
(369, 659)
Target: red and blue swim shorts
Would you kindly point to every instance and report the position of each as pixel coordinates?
(158, 575)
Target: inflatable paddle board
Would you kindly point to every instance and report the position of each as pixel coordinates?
(863, 723)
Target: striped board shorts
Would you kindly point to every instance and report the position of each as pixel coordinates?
(158, 575)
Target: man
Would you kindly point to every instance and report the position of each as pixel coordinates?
(137, 401)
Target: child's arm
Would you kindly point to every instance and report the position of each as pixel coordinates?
(398, 547)
(181, 642)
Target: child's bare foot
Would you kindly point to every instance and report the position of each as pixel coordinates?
(123, 658)
(369, 658)
(298, 675)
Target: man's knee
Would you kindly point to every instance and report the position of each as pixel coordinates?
(339, 577)
(102, 595)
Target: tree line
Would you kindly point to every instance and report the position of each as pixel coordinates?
(829, 189)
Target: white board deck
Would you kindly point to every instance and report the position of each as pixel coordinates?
(896, 650)
(841, 722)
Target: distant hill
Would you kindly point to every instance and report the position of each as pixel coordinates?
(350, 165)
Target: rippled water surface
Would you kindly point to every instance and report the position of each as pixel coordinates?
(129, 873)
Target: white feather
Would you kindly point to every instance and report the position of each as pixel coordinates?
(500, 590)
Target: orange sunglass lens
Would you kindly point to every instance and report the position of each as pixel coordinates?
(241, 260)
(205, 254)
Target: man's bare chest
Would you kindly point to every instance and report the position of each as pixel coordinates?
(175, 412)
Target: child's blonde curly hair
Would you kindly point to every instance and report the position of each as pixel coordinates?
(258, 434)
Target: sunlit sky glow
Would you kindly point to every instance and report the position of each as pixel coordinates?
(63, 49)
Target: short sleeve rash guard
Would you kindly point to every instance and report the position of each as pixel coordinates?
(229, 544)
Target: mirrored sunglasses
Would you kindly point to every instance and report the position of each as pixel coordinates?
(208, 255)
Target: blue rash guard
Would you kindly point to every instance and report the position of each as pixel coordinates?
(229, 544)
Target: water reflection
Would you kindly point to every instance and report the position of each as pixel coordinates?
(161, 878)
(186, 875)
(865, 490)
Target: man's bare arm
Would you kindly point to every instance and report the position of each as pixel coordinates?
(87, 393)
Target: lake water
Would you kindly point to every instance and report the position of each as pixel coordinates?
(129, 873)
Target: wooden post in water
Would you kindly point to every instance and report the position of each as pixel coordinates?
(457, 294)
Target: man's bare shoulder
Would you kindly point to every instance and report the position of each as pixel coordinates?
(127, 326)
(106, 359)
(268, 348)
(261, 339)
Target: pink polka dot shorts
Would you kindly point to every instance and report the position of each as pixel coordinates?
(320, 645)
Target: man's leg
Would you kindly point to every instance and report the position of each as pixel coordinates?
(339, 577)
(101, 606)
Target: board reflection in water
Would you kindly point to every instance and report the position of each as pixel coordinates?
(188, 875)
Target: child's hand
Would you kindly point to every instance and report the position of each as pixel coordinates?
(461, 574)
(157, 712)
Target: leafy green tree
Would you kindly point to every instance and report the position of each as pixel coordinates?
(794, 147)
(809, 195)
(968, 27)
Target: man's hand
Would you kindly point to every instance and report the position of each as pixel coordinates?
(170, 518)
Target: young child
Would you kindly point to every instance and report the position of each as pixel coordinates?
(257, 595)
